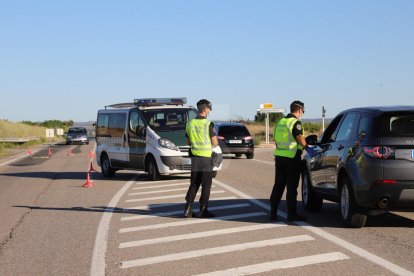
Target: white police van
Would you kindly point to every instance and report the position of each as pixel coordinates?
(147, 135)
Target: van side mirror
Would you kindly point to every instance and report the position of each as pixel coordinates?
(311, 140)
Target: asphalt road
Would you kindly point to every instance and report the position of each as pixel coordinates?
(51, 225)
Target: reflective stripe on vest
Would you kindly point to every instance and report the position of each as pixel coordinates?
(286, 144)
(198, 131)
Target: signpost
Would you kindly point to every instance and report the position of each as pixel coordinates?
(323, 118)
(266, 109)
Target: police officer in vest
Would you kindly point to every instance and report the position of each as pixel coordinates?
(202, 138)
(290, 142)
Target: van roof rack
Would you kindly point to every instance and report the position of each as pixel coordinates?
(160, 101)
(120, 105)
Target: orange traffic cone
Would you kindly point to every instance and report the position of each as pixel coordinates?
(29, 152)
(91, 168)
(49, 153)
(91, 154)
(88, 182)
(69, 152)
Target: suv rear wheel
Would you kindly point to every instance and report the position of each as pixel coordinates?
(250, 155)
(310, 200)
(349, 208)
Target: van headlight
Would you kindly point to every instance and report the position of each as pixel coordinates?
(166, 143)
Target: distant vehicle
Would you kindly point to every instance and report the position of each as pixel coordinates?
(147, 135)
(235, 138)
(365, 161)
(77, 135)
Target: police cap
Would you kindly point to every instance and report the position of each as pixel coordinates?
(296, 104)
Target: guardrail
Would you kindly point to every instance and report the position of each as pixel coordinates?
(18, 140)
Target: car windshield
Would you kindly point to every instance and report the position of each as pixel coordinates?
(77, 131)
(169, 119)
(233, 130)
(397, 124)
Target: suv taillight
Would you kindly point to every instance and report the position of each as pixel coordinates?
(380, 152)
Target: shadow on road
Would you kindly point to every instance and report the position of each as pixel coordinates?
(324, 219)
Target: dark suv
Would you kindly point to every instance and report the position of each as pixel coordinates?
(365, 161)
(235, 138)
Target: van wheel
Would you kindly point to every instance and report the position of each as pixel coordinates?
(153, 172)
(107, 171)
(349, 208)
(310, 200)
(250, 155)
(214, 174)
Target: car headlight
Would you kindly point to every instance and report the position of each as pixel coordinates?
(166, 143)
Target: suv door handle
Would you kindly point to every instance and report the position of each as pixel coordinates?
(341, 147)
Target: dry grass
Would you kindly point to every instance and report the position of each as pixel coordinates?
(19, 130)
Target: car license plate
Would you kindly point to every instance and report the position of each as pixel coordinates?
(235, 141)
(406, 154)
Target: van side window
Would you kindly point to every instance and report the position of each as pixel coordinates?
(111, 125)
(136, 123)
(102, 125)
(117, 124)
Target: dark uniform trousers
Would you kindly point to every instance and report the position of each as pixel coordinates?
(287, 175)
(201, 174)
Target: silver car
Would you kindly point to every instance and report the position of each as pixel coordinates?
(77, 135)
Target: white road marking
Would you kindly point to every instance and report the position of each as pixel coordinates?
(162, 205)
(325, 235)
(161, 186)
(190, 222)
(158, 191)
(200, 235)
(156, 182)
(101, 240)
(266, 162)
(172, 213)
(166, 197)
(214, 251)
(282, 264)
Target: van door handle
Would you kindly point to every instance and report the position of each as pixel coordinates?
(341, 147)
(125, 138)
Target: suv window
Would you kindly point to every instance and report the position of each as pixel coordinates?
(233, 130)
(347, 127)
(331, 130)
(365, 125)
(397, 124)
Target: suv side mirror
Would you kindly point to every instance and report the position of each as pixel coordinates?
(311, 140)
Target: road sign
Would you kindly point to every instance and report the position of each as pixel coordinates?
(271, 110)
(268, 108)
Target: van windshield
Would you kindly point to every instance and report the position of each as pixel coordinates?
(169, 119)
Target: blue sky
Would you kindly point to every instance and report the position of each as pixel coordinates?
(67, 59)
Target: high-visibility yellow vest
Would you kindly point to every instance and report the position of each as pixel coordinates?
(198, 130)
(286, 144)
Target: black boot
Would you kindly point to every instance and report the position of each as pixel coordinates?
(273, 214)
(204, 213)
(188, 211)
